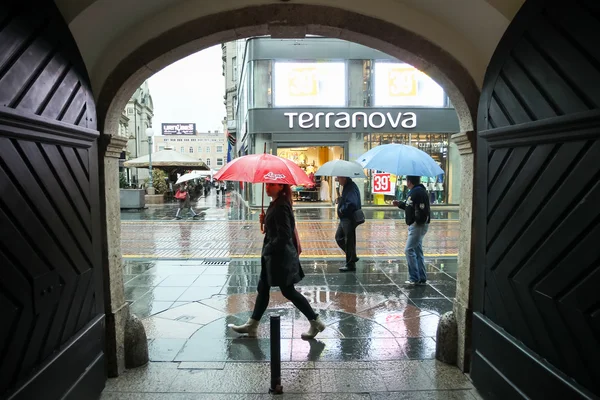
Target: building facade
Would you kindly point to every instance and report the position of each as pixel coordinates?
(317, 99)
(209, 147)
(136, 118)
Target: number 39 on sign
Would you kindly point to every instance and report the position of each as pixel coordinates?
(382, 184)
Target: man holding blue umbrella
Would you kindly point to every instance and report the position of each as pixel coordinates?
(417, 216)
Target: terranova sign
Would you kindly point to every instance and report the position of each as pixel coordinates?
(336, 120)
(345, 120)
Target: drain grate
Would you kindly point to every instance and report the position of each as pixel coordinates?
(215, 261)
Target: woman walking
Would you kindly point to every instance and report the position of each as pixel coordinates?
(183, 195)
(280, 265)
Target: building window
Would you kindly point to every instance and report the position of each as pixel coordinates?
(161, 148)
(219, 162)
(182, 149)
(234, 68)
(208, 162)
(219, 149)
(191, 149)
(130, 110)
(208, 149)
(199, 149)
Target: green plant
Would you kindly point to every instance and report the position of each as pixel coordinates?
(159, 181)
(122, 180)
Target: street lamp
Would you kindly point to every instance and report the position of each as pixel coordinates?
(149, 133)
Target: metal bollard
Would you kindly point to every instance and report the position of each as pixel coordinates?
(276, 387)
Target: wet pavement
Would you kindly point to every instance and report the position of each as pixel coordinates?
(187, 280)
(230, 208)
(217, 234)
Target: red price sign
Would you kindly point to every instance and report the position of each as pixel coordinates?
(382, 184)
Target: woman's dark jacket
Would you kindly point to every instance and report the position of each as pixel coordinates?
(279, 258)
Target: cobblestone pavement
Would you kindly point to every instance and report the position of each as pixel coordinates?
(188, 280)
(219, 234)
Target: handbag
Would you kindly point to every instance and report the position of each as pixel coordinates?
(180, 195)
(358, 216)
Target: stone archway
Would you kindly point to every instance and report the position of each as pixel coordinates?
(280, 21)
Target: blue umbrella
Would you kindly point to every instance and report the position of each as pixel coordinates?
(400, 159)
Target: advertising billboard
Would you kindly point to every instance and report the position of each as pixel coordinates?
(179, 129)
(310, 84)
(400, 84)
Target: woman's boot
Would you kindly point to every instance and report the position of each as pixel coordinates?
(316, 326)
(250, 327)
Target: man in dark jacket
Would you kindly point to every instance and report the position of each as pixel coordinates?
(345, 236)
(417, 215)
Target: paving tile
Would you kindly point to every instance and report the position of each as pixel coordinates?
(421, 292)
(436, 306)
(198, 293)
(248, 379)
(446, 376)
(418, 348)
(166, 293)
(425, 395)
(178, 280)
(375, 278)
(407, 375)
(346, 350)
(151, 396)
(211, 280)
(162, 349)
(152, 377)
(146, 280)
(133, 293)
(202, 365)
(146, 306)
(351, 380)
(341, 279)
(447, 288)
(193, 313)
(168, 329)
(242, 349)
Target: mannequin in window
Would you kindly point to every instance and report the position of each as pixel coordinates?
(324, 190)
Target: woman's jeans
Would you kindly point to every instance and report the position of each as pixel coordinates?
(414, 252)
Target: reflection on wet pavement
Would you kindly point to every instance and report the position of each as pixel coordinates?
(230, 208)
(371, 315)
(187, 280)
(238, 239)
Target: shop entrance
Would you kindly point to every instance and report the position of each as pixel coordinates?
(310, 159)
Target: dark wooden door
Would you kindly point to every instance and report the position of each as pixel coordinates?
(51, 304)
(536, 327)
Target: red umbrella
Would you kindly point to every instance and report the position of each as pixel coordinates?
(263, 168)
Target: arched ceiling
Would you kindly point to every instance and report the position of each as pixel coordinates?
(107, 31)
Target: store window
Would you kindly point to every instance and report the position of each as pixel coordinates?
(310, 84)
(400, 84)
(434, 144)
(219, 162)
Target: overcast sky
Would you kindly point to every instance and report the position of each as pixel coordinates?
(190, 90)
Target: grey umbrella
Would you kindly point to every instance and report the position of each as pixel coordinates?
(349, 169)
